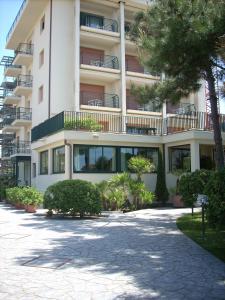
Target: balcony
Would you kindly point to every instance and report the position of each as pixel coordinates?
(9, 68)
(103, 68)
(133, 106)
(134, 69)
(8, 97)
(22, 117)
(100, 122)
(93, 100)
(98, 22)
(23, 54)
(98, 31)
(21, 148)
(23, 85)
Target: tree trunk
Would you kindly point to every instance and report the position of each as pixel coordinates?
(219, 155)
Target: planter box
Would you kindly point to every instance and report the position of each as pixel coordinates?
(31, 208)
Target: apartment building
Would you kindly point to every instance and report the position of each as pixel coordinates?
(67, 109)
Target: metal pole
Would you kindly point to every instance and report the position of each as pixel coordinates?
(203, 221)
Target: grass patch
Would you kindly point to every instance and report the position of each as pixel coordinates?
(214, 240)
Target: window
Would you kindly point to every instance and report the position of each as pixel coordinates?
(41, 58)
(44, 162)
(59, 160)
(91, 20)
(94, 159)
(103, 159)
(34, 174)
(127, 152)
(42, 24)
(40, 94)
(180, 158)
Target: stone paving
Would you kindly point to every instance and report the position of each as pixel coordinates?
(139, 255)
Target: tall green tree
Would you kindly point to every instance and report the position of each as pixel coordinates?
(184, 40)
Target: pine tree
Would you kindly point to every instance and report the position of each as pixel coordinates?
(185, 41)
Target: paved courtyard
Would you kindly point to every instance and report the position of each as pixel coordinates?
(139, 255)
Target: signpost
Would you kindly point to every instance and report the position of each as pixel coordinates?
(202, 201)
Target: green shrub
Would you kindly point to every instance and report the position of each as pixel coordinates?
(24, 195)
(192, 184)
(215, 190)
(140, 165)
(73, 197)
(31, 196)
(88, 123)
(6, 182)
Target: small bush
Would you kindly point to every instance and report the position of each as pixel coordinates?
(215, 190)
(6, 182)
(192, 184)
(24, 195)
(73, 197)
(88, 124)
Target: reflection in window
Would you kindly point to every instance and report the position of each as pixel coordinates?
(59, 160)
(94, 159)
(180, 158)
(127, 153)
(44, 162)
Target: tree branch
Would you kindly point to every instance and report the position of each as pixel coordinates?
(218, 66)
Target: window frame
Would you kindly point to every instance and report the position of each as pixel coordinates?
(53, 160)
(118, 168)
(40, 160)
(182, 147)
(41, 58)
(40, 94)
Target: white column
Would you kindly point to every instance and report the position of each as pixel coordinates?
(67, 161)
(77, 55)
(195, 156)
(122, 62)
(166, 159)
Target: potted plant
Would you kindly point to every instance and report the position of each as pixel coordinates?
(31, 199)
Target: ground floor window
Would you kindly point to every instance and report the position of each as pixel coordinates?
(88, 158)
(180, 158)
(44, 162)
(59, 160)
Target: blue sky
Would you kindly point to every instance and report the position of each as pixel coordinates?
(8, 12)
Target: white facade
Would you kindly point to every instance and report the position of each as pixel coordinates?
(83, 62)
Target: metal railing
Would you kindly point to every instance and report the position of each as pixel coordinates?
(24, 80)
(16, 19)
(23, 113)
(7, 150)
(98, 99)
(105, 61)
(132, 103)
(137, 68)
(24, 48)
(21, 147)
(9, 83)
(193, 121)
(98, 22)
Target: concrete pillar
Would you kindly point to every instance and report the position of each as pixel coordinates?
(166, 159)
(195, 156)
(67, 162)
(77, 55)
(123, 63)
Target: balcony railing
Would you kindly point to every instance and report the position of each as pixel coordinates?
(134, 67)
(24, 80)
(7, 150)
(132, 103)
(113, 123)
(22, 147)
(16, 19)
(192, 121)
(24, 48)
(105, 61)
(98, 22)
(98, 99)
(23, 113)
(9, 83)
(85, 121)
(7, 61)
